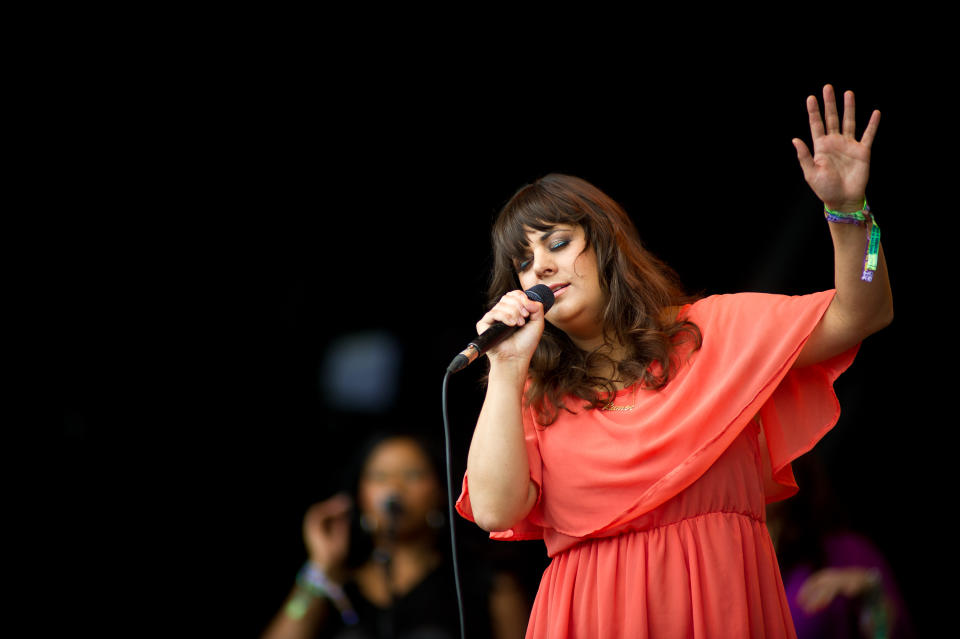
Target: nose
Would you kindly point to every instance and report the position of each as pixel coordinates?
(544, 264)
(395, 485)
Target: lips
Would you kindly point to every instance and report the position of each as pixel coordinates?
(558, 289)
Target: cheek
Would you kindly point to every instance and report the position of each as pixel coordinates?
(585, 268)
(527, 279)
(426, 495)
(369, 495)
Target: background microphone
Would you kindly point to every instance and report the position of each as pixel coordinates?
(498, 331)
(392, 506)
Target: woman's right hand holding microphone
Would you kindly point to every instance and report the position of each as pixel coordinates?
(515, 309)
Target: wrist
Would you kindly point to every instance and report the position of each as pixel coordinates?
(315, 581)
(862, 216)
(508, 370)
(873, 580)
(845, 206)
(335, 572)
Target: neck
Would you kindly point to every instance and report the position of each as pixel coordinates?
(413, 548)
(591, 340)
(410, 562)
(614, 350)
(588, 344)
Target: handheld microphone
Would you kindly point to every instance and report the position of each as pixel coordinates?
(498, 331)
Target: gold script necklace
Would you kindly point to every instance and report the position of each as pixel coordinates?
(610, 405)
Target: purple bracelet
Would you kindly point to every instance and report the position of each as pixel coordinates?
(872, 253)
(316, 582)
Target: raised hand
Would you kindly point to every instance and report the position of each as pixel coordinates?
(838, 169)
(326, 533)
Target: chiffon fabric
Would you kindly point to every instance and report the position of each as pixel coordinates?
(654, 516)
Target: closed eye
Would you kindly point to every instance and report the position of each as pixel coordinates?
(556, 245)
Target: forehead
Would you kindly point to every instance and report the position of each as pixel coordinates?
(397, 452)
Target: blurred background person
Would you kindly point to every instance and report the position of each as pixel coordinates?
(838, 582)
(379, 565)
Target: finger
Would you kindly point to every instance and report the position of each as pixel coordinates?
(871, 131)
(507, 311)
(535, 308)
(814, 604)
(520, 303)
(525, 306)
(813, 113)
(492, 318)
(811, 586)
(830, 110)
(803, 155)
(339, 526)
(524, 302)
(337, 506)
(811, 596)
(849, 115)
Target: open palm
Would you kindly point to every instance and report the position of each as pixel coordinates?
(839, 167)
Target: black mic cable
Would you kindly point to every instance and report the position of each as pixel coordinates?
(489, 338)
(450, 514)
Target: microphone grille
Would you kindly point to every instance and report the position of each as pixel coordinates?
(541, 293)
(393, 506)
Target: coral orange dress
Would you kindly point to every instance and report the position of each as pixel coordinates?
(654, 515)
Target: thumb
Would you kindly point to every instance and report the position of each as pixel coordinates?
(803, 155)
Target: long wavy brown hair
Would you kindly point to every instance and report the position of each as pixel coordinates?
(642, 296)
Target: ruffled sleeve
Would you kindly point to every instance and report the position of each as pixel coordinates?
(597, 470)
(801, 410)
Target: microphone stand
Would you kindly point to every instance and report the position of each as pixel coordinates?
(384, 555)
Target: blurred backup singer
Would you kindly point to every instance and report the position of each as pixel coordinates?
(377, 567)
(639, 432)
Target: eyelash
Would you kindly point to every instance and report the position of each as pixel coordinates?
(554, 246)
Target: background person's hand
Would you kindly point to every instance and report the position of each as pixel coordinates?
(326, 533)
(825, 585)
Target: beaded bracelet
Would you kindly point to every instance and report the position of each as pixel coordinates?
(315, 581)
(872, 252)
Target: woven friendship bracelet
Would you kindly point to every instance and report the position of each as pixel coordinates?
(864, 216)
(316, 582)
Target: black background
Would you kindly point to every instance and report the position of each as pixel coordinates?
(221, 220)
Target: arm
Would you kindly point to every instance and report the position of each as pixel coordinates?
(301, 617)
(326, 535)
(501, 491)
(837, 171)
